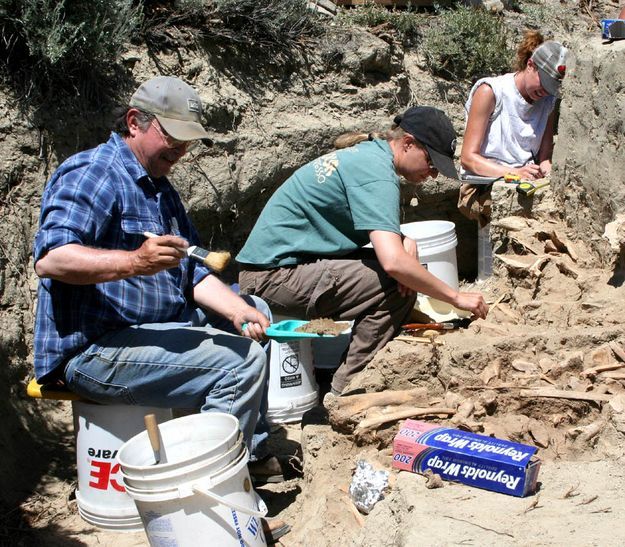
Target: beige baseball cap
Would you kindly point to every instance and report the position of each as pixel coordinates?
(175, 104)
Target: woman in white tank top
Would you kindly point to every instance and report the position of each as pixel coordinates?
(510, 118)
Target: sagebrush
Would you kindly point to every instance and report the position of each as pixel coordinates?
(406, 21)
(466, 43)
(64, 47)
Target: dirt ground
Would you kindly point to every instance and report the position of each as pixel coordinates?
(546, 368)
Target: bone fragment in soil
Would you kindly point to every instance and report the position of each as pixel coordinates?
(419, 340)
(618, 350)
(379, 418)
(571, 492)
(350, 405)
(433, 480)
(564, 394)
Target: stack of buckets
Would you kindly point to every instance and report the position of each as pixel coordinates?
(200, 492)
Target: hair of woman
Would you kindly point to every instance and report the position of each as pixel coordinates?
(531, 40)
(350, 139)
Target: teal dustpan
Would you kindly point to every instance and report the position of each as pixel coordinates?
(284, 331)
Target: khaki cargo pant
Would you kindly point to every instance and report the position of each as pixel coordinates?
(342, 289)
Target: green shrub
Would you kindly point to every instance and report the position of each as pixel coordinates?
(465, 43)
(64, 46)
(405, 22)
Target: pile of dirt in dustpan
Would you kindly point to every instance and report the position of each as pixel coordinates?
(322, 326)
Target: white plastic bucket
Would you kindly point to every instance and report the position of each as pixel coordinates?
(327, 352)
(436, 244)
(200, 492)
(100, 432)
(293, 389)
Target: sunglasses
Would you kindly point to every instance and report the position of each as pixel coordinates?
(170, 141)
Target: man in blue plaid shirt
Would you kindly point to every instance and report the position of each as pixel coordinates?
(122, 318)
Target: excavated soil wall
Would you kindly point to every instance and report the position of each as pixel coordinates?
(589, 157)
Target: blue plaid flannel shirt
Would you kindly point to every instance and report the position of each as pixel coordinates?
(104, 198)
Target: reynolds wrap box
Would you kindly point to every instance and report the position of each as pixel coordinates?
(476, 460)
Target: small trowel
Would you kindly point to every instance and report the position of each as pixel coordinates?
(460, 323)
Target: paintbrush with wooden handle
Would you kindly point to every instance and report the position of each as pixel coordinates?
(215, 260)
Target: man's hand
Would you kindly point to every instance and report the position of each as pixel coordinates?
(211, 293)
(157, 254)
(473, 302)
(257, 323)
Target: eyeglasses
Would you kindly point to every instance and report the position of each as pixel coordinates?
(170, 141)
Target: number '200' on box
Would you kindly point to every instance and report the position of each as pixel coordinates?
(476, 460)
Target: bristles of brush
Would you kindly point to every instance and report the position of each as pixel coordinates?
(215, 260)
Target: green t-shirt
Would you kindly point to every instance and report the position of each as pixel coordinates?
(327, 207)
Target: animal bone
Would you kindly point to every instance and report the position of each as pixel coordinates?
(618, 403)
(563, 394)
(524, 366)
(379, 418)
(354, 404)
(602, 368)
(419, 340)
(343, 411)
(492, 371)
(464, 412)
(511, 223)
(613, 375)
(587, 432)
(618, 350)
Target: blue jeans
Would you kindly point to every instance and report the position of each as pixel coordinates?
(198, 363)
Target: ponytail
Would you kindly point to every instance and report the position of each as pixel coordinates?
(350, 139)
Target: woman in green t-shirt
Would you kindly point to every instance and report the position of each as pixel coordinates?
(304, 255)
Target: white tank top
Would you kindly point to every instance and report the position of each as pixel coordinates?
(516, 127)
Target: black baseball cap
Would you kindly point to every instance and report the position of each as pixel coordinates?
(432, 128)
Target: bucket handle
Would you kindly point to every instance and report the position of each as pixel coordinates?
(227, 503)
